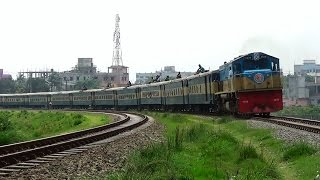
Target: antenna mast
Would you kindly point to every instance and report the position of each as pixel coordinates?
(117, 52)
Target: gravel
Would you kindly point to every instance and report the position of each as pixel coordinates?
(97, 161)
(289, 135)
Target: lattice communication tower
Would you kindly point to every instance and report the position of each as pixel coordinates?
(117, 52)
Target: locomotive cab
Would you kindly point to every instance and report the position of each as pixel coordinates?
(251, 84)
(256, 71)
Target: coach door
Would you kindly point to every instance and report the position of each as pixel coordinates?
(27, 101)
(93, 100)
(185, 92)
(138, 96)
(115, 99)
(48, 100)
(206, 87)
(163, 94)
(71, 100)
(210, 84)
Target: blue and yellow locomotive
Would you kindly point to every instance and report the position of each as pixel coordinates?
(251, 84)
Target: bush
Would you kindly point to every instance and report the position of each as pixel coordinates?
(5, 123)
(248, 151)
(77, 116)
(175, 142)
(195, 132)
(7, 137)
(77, 122)
(298, 150)
(223, 120)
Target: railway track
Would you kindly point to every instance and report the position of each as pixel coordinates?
(15, 157)
(298, 123)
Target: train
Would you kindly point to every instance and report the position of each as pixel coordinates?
(249, 84)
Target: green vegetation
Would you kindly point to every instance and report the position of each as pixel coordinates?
(88, 83)
(219, 148)
(309, 112)
(7, 86)
(17, 126)
(298, 150)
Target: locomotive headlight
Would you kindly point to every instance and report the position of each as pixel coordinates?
(276, 99)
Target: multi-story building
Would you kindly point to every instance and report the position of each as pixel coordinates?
(84, 70)
(4, 76)
(295, 91)
(143, 78)
(304, 86)
(308, 66)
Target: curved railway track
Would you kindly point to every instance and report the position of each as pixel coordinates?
(298, 123)
(27, 154)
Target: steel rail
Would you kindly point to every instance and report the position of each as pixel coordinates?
(11, 148)
(29, 154)
(297, 123)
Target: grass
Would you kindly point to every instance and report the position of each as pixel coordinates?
(17, 126)
(197, 149)
(297, 150)
(219, 148)
(308, 112)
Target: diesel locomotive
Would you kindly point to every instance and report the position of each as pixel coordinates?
(248, 84)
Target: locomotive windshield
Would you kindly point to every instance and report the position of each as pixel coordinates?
(249, 64)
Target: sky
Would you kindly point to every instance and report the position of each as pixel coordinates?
(45, 34)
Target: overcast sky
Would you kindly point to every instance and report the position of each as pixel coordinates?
(40, 34)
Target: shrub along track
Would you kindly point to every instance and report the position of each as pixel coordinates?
(22, 155)
(297, 123)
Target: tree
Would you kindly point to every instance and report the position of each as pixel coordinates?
(21, 85)
(309, 78)
(7, 86)
(88, 84)
(37, 85)
(55, 81)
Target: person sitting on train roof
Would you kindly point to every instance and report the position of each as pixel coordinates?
(84, 88)
(157, 78)
(178, 75)
(167, 78)
(151, 81)
(200, 69)
(129, 84)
